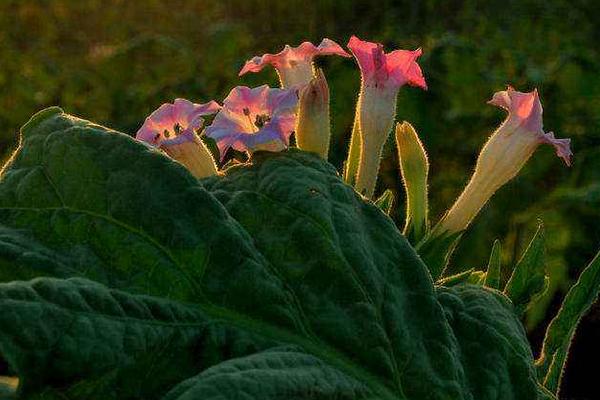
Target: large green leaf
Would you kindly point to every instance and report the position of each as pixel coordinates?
(125, 346)
(490, 337)
(317, 230)
(276, 252)
(561, 330)
(21, 257)
(279, 373)
(122, 214)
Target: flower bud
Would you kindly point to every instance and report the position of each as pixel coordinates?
(313, 130)
(414, 167)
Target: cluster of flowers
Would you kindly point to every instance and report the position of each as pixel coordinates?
(264, 118)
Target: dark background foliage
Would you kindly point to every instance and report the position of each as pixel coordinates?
(114, 61)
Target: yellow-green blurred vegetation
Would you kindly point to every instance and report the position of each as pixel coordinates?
(115, 61)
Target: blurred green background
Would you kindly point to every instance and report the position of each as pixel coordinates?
(115, 61)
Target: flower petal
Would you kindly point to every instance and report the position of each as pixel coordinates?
(394, 69)
(182, 113)
(284, 125)
(403, 68)
(525, 111)
(524, 108)
(268, 138)
(365, 54)
(562, 146)
(329, 47)
(243, 97)
(187, 136)
(290, 56)
(254, 119)
(281, 100)
(226, 123)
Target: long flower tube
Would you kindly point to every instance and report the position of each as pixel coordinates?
(503, 156)
(382, 75)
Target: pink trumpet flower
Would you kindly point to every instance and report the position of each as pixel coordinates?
(171, 120)
(504, 154)
(173, 127)
(294, 65)
(261, 118)
(383, 74)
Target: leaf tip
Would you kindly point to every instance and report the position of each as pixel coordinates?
(39, 117)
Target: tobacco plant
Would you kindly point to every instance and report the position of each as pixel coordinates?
(153, 268)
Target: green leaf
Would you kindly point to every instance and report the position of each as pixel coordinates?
(477, 278)
(492, 278)
(310, 228)
(116, 211)
(272, 374)
(492, 342)
(558, 282)
(191, 274)
(125, 346)
(414, 167)
(561, 329)
(528, 279)
(21, 257)
(436, 251)
(470, 276)
(456, 279)
(385, 201)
